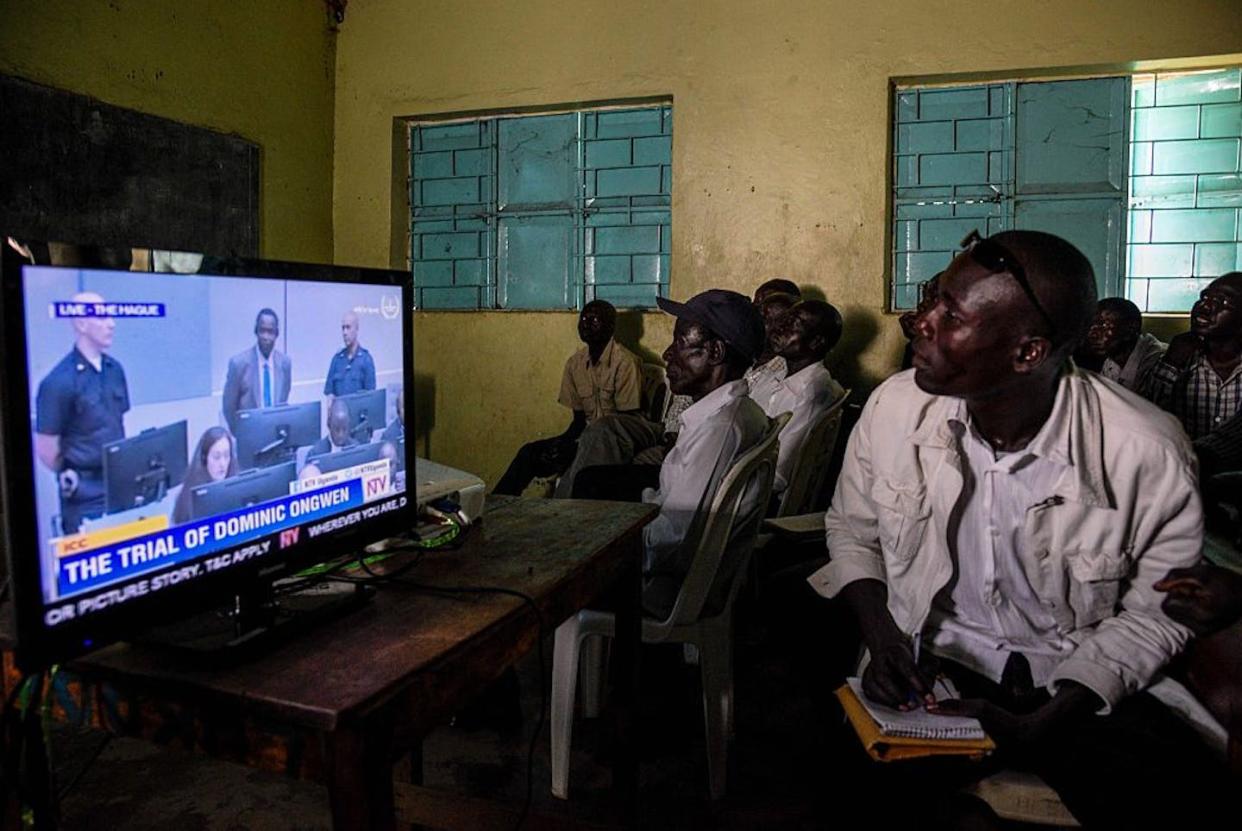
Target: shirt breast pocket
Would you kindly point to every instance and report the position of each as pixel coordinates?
(901, 519)
(1095, 583)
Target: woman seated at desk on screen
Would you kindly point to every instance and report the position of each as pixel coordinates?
(214, 459)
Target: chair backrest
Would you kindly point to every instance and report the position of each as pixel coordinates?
(655, 395)
(751, 473)
(807, 477)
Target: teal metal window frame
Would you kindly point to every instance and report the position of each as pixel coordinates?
(602, 259)
(910, 204)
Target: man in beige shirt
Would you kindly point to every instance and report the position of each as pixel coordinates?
(602, 378)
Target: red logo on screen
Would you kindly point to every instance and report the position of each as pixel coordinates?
(376, 486)
(289, 537)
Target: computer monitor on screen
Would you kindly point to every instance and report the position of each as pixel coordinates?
(253, 487)
(359, 454)
(270, 435)
(367, 412)
(141, 470)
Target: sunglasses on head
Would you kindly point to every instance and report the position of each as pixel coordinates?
(997, 259)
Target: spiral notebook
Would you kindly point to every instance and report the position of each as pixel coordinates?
(889, 734)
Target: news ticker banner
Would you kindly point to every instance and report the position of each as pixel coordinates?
(133, 555)
(116, 593)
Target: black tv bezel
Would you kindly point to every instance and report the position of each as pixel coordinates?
(36, 645)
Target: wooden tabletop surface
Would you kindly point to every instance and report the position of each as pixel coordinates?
(427, 648)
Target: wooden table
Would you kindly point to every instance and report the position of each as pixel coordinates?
(341, 703)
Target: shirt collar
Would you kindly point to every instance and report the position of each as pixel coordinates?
(259, 355)
(605, 356)
(1071, 436)
(712, 403)
(82, 359)
(804, 377)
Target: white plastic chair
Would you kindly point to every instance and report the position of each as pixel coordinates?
(691, 621)
(808, 474)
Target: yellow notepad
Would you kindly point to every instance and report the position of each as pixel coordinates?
(913, 734)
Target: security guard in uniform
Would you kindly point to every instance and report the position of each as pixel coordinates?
(79, 408)
(352, 369)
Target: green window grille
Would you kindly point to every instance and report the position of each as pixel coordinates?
(1142, 173)
(542, 211)
(1185, 206)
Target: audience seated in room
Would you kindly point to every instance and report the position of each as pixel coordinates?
(1117, 347)
(634, 439)
(600, 379)
(1011, 513)
(1199, 379)
(717, 336)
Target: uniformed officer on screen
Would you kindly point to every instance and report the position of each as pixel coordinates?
(79, 408)
(352, 369)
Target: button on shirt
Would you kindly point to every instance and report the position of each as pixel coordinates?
(1142, 360)
(347, 375)
(613, 385)
(991, 609)
(805, 395)
(85, 407)
(1200, 398)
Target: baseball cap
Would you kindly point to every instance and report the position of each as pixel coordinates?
(729, 315)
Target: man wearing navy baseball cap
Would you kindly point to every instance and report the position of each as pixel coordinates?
(716, 339)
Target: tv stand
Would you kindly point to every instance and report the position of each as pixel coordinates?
(256, 622)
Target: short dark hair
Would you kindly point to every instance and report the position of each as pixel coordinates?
(1124, 309)
(777, 284)
(828, 322)
(609, 310)
(1061, 277)
(266, 312)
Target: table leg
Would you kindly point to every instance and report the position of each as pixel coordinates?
(360, 778)
(625, 672)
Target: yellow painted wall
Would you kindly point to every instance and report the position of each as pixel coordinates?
(262, 70)
(780, 137)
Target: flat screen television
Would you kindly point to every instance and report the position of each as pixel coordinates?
(99, 349)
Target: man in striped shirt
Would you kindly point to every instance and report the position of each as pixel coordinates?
(1199, 379)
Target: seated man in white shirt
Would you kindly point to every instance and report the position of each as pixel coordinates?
(717, 335)
(802, 337)
(1117, 347)
(1011, 513)
(632, 439)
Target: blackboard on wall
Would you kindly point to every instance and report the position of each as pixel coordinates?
(75, 169)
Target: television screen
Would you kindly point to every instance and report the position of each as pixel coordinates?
(157, 427)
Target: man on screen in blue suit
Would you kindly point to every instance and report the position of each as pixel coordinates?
(259, 376)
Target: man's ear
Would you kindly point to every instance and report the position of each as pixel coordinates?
(717, 352)
(1030, 354)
